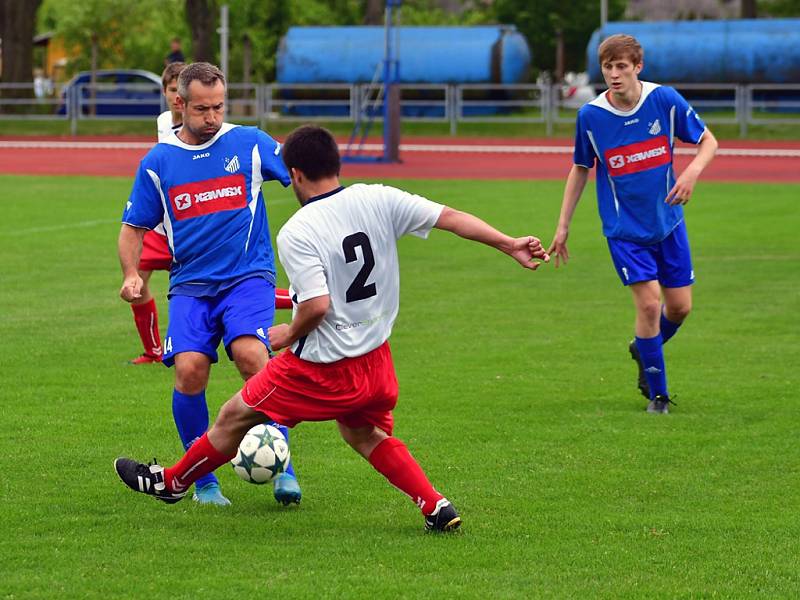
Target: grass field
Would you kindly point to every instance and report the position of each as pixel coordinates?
(517, 396)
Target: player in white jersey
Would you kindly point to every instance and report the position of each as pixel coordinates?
(340, 253)
(156, 255)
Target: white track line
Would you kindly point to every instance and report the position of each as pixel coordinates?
(62, 227)
(453, 148)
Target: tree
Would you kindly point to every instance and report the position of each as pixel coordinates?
(201, 17)
(17, 26)
(132, 35)
(539, 21)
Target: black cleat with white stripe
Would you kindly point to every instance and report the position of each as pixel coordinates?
(443, 518)
(147, 479)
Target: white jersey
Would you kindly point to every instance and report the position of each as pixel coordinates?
(344, 244)
(165, 129)
(165, 126)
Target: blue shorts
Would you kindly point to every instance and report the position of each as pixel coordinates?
(199, 324)
(668, 261)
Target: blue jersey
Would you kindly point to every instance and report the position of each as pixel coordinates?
(209, 199)
(634, 151)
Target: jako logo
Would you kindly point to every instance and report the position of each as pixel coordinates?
(201, 155)
(208, 196)
(183, 201)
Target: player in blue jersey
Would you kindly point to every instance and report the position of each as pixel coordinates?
(204, 184)
(629, 133)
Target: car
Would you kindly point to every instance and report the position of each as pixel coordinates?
(120, 92)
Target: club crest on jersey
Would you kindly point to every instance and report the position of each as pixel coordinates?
(209, 196)
(637, 157)
(655, 128)
(232, 165)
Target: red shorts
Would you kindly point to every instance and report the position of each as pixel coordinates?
(155, 253)
(356, 391)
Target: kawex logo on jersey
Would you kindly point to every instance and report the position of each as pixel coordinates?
(209, 196)
(640, 156)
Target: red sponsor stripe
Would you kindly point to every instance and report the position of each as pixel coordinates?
(637, 157)
(208, 196)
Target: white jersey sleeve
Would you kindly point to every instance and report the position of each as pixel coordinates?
(164, 125)
(345, 246)
(302, 261)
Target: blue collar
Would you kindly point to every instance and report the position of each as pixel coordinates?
(325, 195)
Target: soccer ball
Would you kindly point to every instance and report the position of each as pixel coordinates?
(263, 455)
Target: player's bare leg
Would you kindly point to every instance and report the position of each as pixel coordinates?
(677, 306)
(648, 344)
(390, 457)
(250, 355)
(145, 315)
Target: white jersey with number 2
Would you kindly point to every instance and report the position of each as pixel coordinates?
(344, 244)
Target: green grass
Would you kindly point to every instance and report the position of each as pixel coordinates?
(517, 396)
(111, 127)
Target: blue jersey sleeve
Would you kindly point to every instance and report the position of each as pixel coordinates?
(272, 166)
(584, 153)
(689, 127)
(144, 207)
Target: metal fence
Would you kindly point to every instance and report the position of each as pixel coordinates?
(455, 104)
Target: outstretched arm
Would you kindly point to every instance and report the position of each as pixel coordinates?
(129, 247)
(524, 250)
(681, 192)
(576, 181)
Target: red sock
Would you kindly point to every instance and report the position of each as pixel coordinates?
(392, 459)
(282, 298)
(146, 318)
(200, 459)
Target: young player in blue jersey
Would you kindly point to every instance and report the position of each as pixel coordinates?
(629, 132)
(204, 184)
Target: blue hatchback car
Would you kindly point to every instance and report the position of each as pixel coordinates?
(120, 92)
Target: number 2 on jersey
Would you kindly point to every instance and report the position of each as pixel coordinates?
(357, 289)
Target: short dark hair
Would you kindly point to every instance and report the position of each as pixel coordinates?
(171, 72)
(620, 46)
(204, 72)
(313, 151)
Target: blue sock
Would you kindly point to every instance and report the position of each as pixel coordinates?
(668, 328)
(285, 431)
(191, 418)
(652, 352)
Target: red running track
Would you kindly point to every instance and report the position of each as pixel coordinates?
(422, 158)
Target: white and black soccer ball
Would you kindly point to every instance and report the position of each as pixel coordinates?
(263, 455)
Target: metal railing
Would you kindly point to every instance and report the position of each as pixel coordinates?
(455, 104)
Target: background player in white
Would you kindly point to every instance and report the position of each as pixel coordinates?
(156, 255)
(629, 131)
(204, 184)
(340, 253)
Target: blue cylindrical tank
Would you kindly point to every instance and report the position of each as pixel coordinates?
(738, 51)
(496, 54)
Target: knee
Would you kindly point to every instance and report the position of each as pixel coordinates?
(235, 416)
(248, 366)
(191, 377)
(678, 312)
(650, 311)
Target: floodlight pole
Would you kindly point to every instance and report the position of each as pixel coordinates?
(603, 14)
(391, 83)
